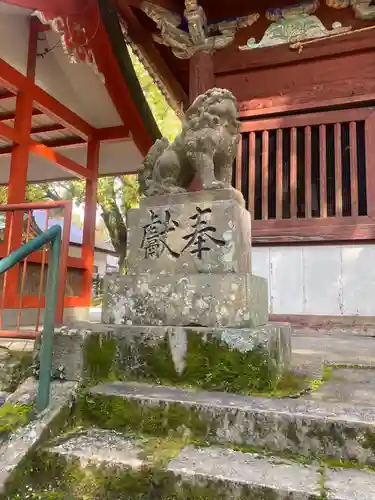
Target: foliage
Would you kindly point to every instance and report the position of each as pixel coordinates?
(116, 195)
(165, 116)
(13, 416)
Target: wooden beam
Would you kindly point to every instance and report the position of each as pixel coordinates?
(143, 39)
(4, 117)
(13, 80)
(63, 161)
(109, 134)
(115, 82)
(317, 231)
(268, 57)
(66, 142)
(10, 78)
(8, 132)
(6, 95)
(59, 6)
(172, 5)
(42, 129)
(201, 74)
(19, 163)
(88, 238)
(52, 107)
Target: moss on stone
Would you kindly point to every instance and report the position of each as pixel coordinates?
(369, 440)
(53, 477)
(13, 416)
(210, 364)
(100, 358)
(17, 369)
(131, 416)
(49, 476)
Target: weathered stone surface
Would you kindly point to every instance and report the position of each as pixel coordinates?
(20, 443)
(300, 427)
(189, 263)
(348, 385)
(101, 447)
(349, 484)
(239, 359)
(241, 474)
(335, 347)
(226, 248)
(68, 351)
(186, 299)
(14, 368)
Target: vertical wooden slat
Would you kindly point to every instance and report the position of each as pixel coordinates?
(279, 174)
(370, 164)
(252, 174)
(293, 173)
(323, 171)
(265, 157)
(338, 170)
(308, 208)
(353, 168)
(239, 165)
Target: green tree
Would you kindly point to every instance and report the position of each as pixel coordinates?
(117, 194)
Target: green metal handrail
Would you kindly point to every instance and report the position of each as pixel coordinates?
(52, 236)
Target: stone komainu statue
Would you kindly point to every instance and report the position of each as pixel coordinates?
(207, 145)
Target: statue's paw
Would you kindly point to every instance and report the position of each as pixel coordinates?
(214, 185)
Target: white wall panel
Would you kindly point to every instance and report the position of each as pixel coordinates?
(318, 280)
(322, 280)
(286, 280)
(261, 265)
(358, 278)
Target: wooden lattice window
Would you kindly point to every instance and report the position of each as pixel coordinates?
(309, 170)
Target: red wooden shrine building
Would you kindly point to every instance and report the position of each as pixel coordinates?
(60, 120)
(304, 77)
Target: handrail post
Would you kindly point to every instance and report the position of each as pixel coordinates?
(43, 395)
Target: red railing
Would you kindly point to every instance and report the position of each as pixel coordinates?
(20, 227)
(309, 177)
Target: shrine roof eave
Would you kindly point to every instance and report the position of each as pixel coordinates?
(120, 96)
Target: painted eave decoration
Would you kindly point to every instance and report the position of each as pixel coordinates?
(191, 33)
(363, 9)
(294, 24)
(75, 39)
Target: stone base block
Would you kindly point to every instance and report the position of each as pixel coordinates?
(206, 300)
(233, 360)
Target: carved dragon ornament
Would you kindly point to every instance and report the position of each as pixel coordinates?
(199, 35)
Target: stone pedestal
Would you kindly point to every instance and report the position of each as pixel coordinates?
(189, 264)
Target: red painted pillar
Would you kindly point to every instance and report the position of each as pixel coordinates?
(19, 163)
(201, 74)
(88, 246)
(201, 79)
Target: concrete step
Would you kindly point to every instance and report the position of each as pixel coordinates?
(299, 426)
(203, 473)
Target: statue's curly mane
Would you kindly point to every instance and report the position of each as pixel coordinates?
(201, 114)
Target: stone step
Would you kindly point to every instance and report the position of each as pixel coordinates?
(298, 426)
(236, 473)
(231, 359)
(202, 473)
